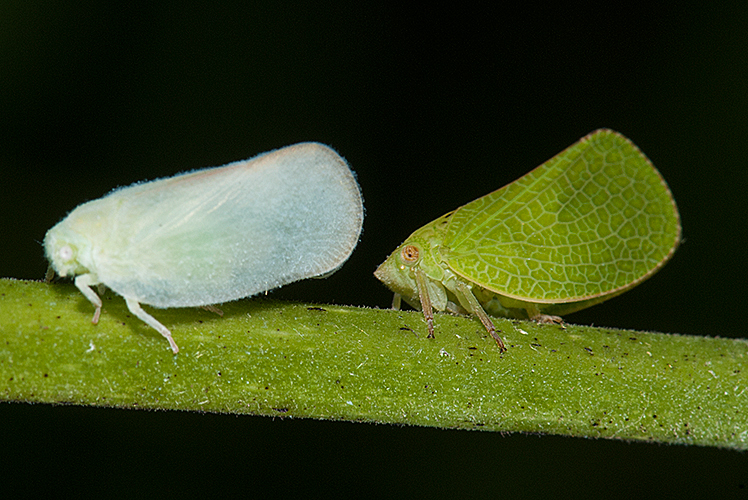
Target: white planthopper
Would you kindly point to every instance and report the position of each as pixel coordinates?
(213, 235)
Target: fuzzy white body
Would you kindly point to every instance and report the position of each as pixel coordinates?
(214, 235)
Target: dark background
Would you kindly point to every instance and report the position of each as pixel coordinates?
(433, 108)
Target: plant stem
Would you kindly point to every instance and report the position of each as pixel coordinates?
(345, 363)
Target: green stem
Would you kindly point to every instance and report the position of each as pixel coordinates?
(345, 363)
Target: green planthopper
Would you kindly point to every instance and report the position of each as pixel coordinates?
(590, 223)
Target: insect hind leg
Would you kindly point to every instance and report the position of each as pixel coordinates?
(533, 312)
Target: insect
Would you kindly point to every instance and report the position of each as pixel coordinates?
(213, 235)
(590, 223)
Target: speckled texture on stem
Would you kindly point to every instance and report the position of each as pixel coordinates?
(344, 363)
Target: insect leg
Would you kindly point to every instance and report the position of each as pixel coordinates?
(423, 295)
(475, 308)
(138, 311)
(213, 309)
(84, 282)
(396, 299)
(535, 315)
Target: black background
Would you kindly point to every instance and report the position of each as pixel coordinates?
(433, 108)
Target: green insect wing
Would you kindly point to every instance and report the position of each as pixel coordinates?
(590, 223)
(593, 220)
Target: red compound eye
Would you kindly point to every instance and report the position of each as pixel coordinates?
(410, 253)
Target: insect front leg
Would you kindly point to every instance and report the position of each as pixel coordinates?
(396, 301)
(423, 295)
(84, 282)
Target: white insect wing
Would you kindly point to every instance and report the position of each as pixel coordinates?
(219, 234)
